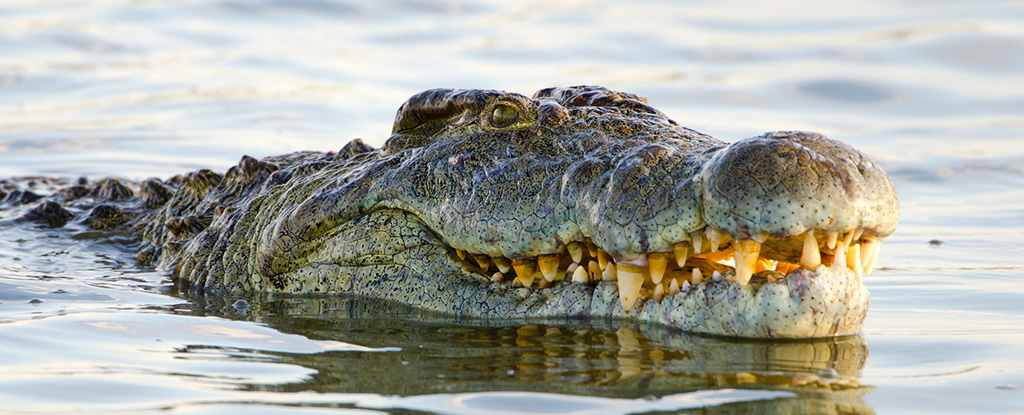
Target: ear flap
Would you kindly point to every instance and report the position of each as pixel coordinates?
(429, 112)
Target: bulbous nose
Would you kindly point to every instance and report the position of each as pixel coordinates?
(784, 183)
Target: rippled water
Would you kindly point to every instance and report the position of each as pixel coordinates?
(933, 91)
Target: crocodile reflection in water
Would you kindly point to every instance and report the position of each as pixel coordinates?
(594, 358)
(578, 202)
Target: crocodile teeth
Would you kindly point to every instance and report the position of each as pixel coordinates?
(682, 252)
(840, 255)
(483, 261)
(609, 273)
(673, 287)
(853, 260)
(658, 261)
(591, 248)
(460, 253)
(811, 257)
(746, 254)
(630, 278)
(502, 263)
(548, 266)
(498, 277)
(830, 239)
(697, 277)
(575, 251)
(697, 240)
(869, 253)
(659, 292)
(525, 269)
(594, 270)
(715, 237)
(603, 258)
(579, 275)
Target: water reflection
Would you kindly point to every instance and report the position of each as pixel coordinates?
(595, 358)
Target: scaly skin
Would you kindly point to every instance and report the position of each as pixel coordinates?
(498, 177)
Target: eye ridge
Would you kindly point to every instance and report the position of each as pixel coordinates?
(504, 115)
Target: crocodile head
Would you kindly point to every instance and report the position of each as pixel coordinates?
(578, 201)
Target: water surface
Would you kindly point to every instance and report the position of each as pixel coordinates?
(933, 91)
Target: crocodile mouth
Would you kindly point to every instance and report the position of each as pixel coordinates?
(709, 254)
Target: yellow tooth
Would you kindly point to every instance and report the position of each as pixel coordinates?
(697, 240)
(575, 251)
(696, 278)
(682, 252)
(848, 238)
(659, 292)
(603, 258)
(591, 248)
(548, 265)
(503, 264)
(498, 277)
(630, 278)
(811, 257)
(579, 275)
(857, 234)
(830, 239)
(715, 237)
(609, 273)
(840, 255)
(594, 270)
(746, 253)
(673, 287)
(524, 270)
(785, 267)
(853, 260)
(483, 261)
(658, 261)
(869, 253)
(461, 253)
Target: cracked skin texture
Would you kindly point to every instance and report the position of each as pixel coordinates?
(503, 175)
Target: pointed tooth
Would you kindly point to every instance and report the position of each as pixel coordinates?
(460, 253)
(830, 239)
(869, 253)
(503, 264)
(603, 258)
(591, 248)
(673, 287)
(840, 255)
(579, 275)
(717, 276)
(525, 269)
(630, 278)
(715, 237)
(658, 261)
(853, 260)
(811, 257)
(659, 292)
(575, 251)
(685, 286)
(483, 261)
(682, 252)
(697, 277)
(548, 265)
(609, 273)
(498, 277)
(697, 240)
(594, 271)
(746, 253)
(571, 268)
(857, 234)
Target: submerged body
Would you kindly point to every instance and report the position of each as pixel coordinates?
(577, 202)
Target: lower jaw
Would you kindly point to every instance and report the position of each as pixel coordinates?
(827, 301)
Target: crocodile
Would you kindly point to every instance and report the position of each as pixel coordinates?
(577, 202)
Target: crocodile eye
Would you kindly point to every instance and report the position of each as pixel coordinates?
(504, 116)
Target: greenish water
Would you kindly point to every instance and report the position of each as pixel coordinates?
(933, 91)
